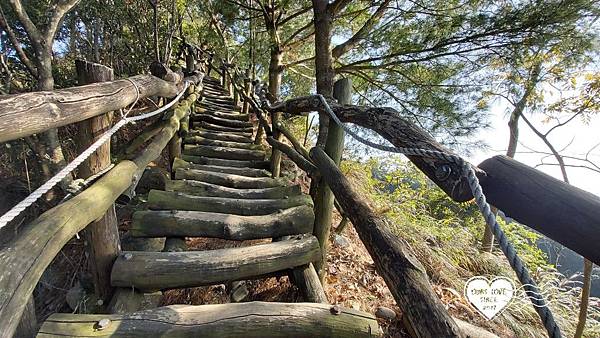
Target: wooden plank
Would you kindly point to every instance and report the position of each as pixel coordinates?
(403, 273)
(207, 189)
(223, 115)
(167, 200)
(242, 131)
(241, 320)
(566, 214)
(169, 270)
(229, 180)
(30, 113)
(249, 172)
(177, 223)
(25, 257)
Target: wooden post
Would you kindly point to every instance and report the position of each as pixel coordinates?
(248, 91)
(334, 146)
(102, 236)
(190, 61)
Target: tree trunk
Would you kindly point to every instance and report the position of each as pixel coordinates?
(323, 18)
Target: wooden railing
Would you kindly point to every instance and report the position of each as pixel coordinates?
(25, 257)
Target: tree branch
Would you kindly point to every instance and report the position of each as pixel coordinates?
(17, 45)
(344, 47)
(61, 8)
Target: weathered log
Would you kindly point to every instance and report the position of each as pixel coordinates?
(184, 128)
(222, 121)
(298, 159)
(30, 113)
(249, 172)
(169, 270)
(223, 115)
(218, 106)
(292, 221)
(220, 136)
(392, 126)
(167, 200)
(217, 143)
(206, 189)
(403, 273)
(128, 300)
(26, 257)
(241, 320)
(307, 280)
(175, 244)
(243, 131)
(229, 180)
(566, 214)
(225, 162)
(224, 152)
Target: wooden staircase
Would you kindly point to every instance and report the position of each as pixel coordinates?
(220, 188)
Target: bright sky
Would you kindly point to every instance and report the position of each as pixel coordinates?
(584, 137)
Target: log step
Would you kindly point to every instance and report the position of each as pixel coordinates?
(198, 188)
(224, 122)
(229, 180)
(170, 270)
(220, 136)
(250, 320)
(223, 115)
(225, 162)
(224, 152)
(249, 172)
(170, 200)
(166, 223)
(244, 131)
(214, 105)
(209, 142)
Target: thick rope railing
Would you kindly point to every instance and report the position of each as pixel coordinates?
(44, 188)
(469, 171)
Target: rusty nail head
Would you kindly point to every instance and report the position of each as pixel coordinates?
(103, 323)
(128, 256)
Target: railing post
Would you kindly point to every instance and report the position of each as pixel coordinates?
(190, 61)
(248, 91)
(236, 94)
(334, 146)
(102, 235)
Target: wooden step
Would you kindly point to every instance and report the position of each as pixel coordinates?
(214, 106)
(170, 270)
(248, 320)
(224, 152)
(229, 180)
(243, 131)
(223, 115)
(217, 143)
(170, 200)
(177, 223)
(249, 172)
(225, 162)
(221, 121)
(215, 135)
(198, 188)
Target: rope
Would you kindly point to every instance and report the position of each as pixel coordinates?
(44, 188)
